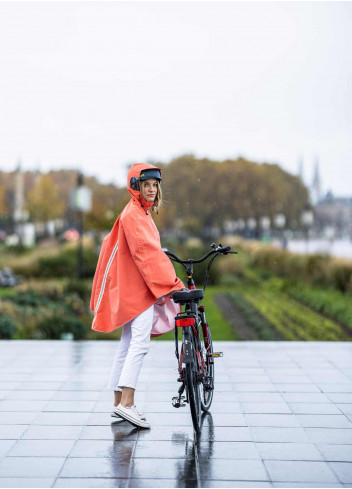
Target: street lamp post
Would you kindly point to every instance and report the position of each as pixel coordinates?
(81, 202)
(80, 230)
(251, 224)
(307, 219)
(265, 226)
(280, 221)
(241, 225)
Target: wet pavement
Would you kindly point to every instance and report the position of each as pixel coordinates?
(281, 417)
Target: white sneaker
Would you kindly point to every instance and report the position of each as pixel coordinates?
(141, 414)
(131, 414)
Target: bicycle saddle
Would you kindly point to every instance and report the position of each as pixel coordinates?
(188, 296)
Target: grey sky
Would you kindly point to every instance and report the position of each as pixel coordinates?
(101, 84)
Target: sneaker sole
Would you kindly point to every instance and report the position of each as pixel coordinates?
(132, 420)
(115, 415)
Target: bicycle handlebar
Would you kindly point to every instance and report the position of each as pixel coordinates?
(216, 249)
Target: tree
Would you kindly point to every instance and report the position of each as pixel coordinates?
(43, 200)
(108, 202)
(202, 192)
(3, 209)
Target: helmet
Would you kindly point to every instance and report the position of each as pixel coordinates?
(144, 175)
(152, 173)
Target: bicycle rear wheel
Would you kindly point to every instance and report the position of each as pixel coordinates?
(192, 386)
(207, 385)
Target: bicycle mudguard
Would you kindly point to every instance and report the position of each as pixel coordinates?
(187, 352)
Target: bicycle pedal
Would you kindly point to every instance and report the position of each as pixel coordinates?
(177, 403)
(217, 354)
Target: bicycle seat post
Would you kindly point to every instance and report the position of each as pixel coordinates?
(190, 282)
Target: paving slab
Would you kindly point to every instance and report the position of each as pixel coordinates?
(336, 453)
(35, 482)
(300, 471)
(289, 451)
(281, 417)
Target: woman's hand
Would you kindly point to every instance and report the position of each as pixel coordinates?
(177, 290)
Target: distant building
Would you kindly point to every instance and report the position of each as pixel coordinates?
(333, 215)
(315, 186)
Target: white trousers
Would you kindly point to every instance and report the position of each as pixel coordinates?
(133, 346)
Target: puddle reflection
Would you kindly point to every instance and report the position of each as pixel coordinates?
(196, 467)
(122, 430)
(192, 470)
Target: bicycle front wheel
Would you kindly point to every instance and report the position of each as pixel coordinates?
(193, 390)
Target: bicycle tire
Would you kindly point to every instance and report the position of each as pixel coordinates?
(193, 391)
(207, 395)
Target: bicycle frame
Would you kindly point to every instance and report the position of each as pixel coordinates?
(197, 313)
(196, 358)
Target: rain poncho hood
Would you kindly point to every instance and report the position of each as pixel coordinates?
(133, 272)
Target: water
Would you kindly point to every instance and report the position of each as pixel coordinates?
(339, 248)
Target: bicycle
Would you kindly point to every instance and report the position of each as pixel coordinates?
(196, 354)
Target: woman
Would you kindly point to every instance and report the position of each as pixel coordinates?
(132, 287)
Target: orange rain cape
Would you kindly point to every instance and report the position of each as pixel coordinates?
(133, 272)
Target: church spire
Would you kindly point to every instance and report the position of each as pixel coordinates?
(300, 168)
(316, 183)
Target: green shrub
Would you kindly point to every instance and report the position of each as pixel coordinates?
(318, 269)
(65, 264)
(62, 265)
(331, 303)
(20, 334)
(230, 266)
(81, 288)
(28, 269)
(75, 304)
(229, 279)
(342, 276)
(52, 289)
(8, 327)
(52, 328)
(29, 298)
(19, 249)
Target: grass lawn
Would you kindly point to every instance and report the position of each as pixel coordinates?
(220, 328)
(7, 291)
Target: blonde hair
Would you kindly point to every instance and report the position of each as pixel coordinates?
(158, 198)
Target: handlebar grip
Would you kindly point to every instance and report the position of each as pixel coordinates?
(225, 249)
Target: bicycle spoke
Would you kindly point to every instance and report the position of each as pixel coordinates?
(207, 386)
